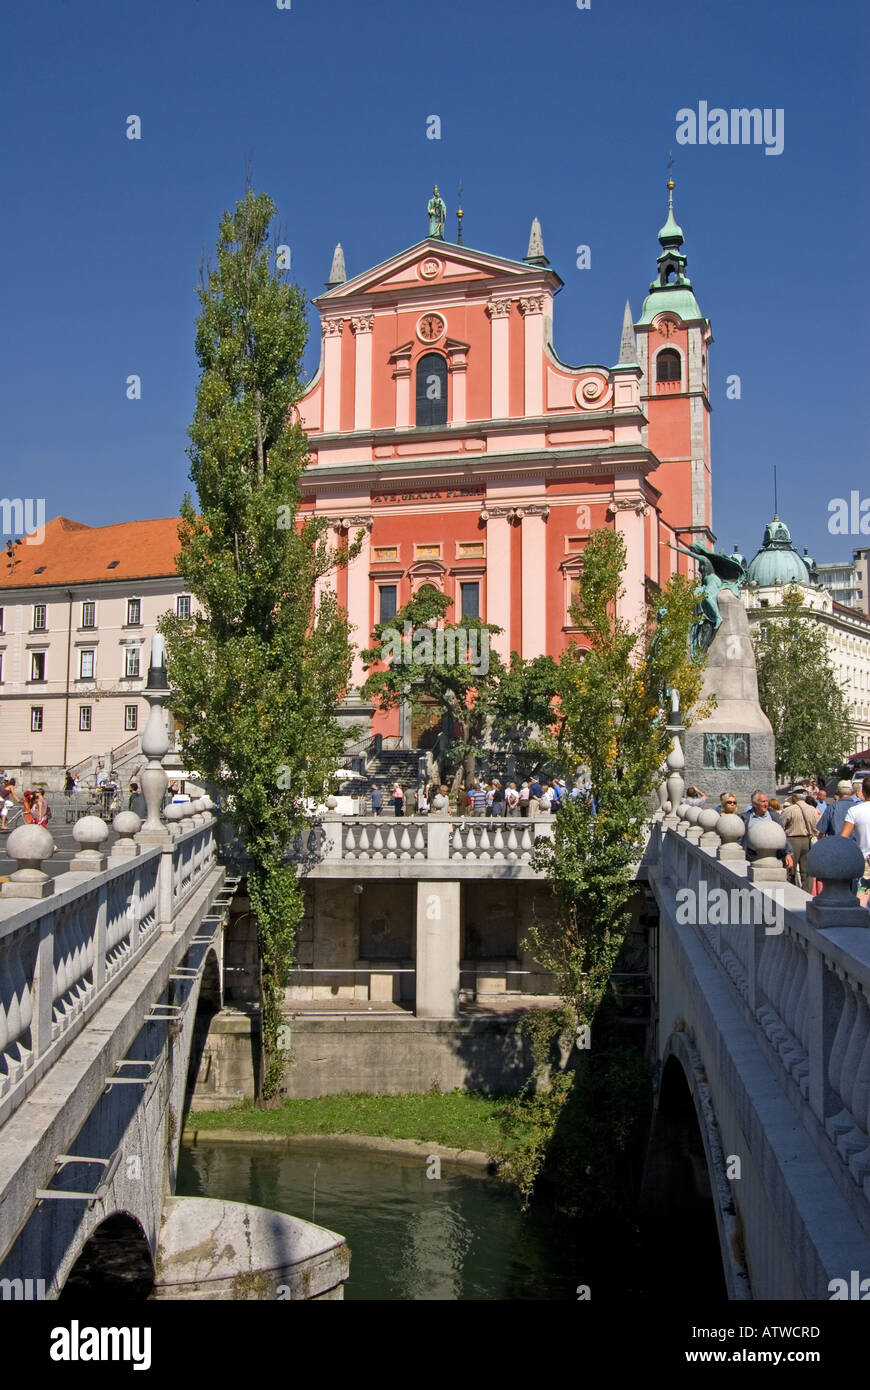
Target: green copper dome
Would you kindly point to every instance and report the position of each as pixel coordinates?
(671, 299)
(670, 231)
(777, 562)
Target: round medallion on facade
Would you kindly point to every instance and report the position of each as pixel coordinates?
(431, 327)
(430, 269)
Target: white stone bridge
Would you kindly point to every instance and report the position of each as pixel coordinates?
(762, 1035)
(102, 973)
(761, 1032)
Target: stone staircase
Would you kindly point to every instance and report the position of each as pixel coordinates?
(394, 765)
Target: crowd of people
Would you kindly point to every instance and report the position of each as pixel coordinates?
(533, 797)
(35, 807)
(811, 812)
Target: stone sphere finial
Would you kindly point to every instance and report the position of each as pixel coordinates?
(127, 823)
(30, 845)
(730, 828)
(835, 859)
(765, 837)
(90, 832)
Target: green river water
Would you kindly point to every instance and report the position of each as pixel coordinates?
(458, 1237)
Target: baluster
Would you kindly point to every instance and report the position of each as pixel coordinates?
(391, 844)
(851, 1141)
(526, 844)
(838, 1075)
(458, 846)
(378, 850)
(471, 844)
(4, 1019)
(859, 1162)
(484, 844)
(78, 961)
(838, 1050)
(798, 980)
(61, 974)
(512, 843)
(13, 1054)
(23, 983)
(419, 844)
(405, 844)
(363, 844)
(498, 843)
(350, 847)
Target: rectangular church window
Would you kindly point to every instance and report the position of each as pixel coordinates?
(387, 602)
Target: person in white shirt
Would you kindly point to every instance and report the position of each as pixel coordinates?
(858, 821)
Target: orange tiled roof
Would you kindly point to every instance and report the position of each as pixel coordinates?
(73, 553)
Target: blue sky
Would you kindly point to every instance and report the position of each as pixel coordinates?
(546, 110)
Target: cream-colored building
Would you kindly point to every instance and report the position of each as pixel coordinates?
(776, 567)
(77, 612)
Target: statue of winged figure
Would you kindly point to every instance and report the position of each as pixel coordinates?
(718, 572)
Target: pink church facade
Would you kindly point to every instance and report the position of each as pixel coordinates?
(443, 423)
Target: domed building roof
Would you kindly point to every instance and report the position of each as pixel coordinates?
(777, 562)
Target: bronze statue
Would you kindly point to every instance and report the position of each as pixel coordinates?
(718, 572)
(437, 213)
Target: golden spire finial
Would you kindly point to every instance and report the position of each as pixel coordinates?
(671, 184)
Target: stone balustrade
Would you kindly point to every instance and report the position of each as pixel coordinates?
(66, 942)
(459, 843)
(800, 967)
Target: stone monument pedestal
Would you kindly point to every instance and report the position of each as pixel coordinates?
(732, 677)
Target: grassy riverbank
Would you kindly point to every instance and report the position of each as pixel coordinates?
(456, 1119)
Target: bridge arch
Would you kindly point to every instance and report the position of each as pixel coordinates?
(687, 1203)
(115, 1262)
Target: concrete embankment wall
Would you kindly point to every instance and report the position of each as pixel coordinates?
(388, 1056)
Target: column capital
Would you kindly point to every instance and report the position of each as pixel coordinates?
(532, 304)
(331, 328)
(362, 323)
(628, 504)
(499, 308)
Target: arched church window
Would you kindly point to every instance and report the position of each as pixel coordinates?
(432, 390)
(668, 366)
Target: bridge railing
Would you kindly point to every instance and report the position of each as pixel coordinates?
(460, 838)
(801, 967)
(62, 955)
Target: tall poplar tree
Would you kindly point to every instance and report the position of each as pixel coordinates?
(258, 671)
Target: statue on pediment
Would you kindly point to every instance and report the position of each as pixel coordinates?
(437, 214)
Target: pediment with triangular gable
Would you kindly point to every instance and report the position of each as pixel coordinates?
(436, 264)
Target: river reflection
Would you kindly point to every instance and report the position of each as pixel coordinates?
(458, 1237)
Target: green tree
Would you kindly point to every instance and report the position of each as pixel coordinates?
(256, 673)
(609, 718)
(611, 721)
(438, 665)
(524, 708)
(799, 690)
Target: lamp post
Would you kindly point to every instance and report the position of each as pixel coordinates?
(155, 743)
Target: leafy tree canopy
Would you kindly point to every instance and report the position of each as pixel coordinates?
(799, 690)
